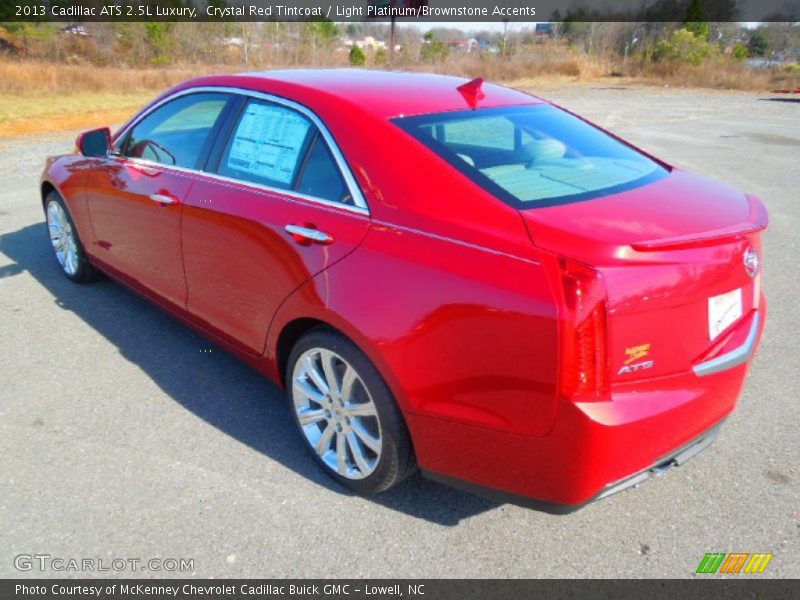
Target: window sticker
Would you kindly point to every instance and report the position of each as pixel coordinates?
(268, 142)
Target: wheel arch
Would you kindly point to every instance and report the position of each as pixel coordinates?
(287, 338)
(46, 188)
(296, 318)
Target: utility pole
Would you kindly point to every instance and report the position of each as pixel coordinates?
(244, 45)
(391, 40)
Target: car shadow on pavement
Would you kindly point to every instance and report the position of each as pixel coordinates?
(789, 100)
(208, 381)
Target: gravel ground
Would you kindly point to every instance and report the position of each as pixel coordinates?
(120, 438)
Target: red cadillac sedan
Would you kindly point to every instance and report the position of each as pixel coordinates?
(441, 273)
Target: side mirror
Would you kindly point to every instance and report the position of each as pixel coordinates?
(95, 143)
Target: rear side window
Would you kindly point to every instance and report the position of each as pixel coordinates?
(177, 132)
(266, 145)
(278, 147)
(533, 155)
(321, 177)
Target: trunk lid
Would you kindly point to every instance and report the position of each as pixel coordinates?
(678, 211)
(673, 258)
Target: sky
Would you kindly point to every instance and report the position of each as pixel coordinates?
(468, 25)
(493, 26)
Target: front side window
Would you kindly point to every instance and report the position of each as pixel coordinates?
(276, 146)
(533, 155)
(177, 132)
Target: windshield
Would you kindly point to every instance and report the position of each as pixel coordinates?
(533, 155)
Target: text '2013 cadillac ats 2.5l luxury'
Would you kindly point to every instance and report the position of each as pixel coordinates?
(443, 274)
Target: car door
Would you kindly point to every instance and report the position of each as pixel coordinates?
(135, 195)
(277, 206)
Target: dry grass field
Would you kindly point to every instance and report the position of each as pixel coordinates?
(37, 96)
(24, 115)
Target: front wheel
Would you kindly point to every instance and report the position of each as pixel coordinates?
(346, 413)
(64, 239)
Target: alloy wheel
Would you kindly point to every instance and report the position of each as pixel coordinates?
(336, 413)
(62, 237)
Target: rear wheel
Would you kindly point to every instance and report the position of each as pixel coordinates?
(346, 413)
(64, 239)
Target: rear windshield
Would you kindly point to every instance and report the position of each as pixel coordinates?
(533, 155)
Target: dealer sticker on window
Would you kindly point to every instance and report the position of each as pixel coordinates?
(723, 310)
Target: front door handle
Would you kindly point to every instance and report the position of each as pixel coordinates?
(163, 198)
(305, 235)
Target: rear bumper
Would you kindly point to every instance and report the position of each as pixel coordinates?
(595, 448)
(675, 459)
(734, 357)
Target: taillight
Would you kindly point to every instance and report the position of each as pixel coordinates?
(584, 339)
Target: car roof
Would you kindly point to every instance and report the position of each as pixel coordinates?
(384, 94)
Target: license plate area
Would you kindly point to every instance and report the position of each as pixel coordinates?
(723, 311)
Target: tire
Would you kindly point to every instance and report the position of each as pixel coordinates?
(365, 426)
(67, 247)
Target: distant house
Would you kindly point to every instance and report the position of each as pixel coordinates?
(466, 45)
(368, 42)
(75, 29)
(791, 55)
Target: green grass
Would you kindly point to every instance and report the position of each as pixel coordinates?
(37, 31)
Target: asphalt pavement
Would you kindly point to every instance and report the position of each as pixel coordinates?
(124, 435)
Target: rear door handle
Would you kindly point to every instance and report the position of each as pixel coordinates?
(162, 198)
(308, 234)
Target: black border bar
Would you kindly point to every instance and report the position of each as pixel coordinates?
(701, 587)
(433, 11)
